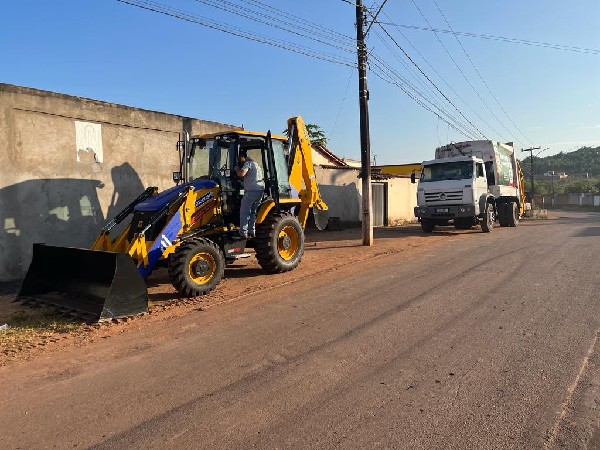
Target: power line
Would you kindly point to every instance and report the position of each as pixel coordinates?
(420, 103)
(464, 76)
(299, 19)
(567, 48)
(439, 75)
(236, 31)
(429, 79)
(479, 74)
(464, 128)
(342, 103)
(276, 22)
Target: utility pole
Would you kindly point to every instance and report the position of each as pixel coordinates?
(530, 150)
(553, 186)
(365, 141)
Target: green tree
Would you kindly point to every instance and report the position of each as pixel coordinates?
(582, 186)
(316, 135)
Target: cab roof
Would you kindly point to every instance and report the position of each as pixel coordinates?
(241, 133)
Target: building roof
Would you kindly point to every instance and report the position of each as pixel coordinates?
(335, 160)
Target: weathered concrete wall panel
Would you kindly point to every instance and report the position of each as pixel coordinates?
(341, 190)
(69, 164)
(402, 199)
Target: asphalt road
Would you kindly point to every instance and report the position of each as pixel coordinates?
(486, 342)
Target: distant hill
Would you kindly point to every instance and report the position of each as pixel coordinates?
(580, 162)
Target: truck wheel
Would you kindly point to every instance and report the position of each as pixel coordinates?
(196, 267)
(427, 226)
(487, 224)
(513, 214)
(503, 214)
(279, 242)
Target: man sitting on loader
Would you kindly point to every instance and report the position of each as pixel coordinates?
(254, 186)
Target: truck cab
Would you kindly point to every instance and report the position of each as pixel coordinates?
(450, 189)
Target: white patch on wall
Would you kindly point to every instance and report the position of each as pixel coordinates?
(88, 139)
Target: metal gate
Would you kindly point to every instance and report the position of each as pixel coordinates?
(379, 204)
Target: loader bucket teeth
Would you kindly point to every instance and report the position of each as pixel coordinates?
(93, 285)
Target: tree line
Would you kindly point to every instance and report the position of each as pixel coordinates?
(582, 168)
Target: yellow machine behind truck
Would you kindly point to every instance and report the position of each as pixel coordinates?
(192, 227)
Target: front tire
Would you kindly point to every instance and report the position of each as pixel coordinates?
(279, 242)
(487, 224)
(196, 267)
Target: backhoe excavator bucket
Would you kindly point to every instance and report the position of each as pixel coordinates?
(88, 284)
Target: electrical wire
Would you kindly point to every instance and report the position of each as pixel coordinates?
(429, 79)
(275, 22)
(567, 48)
(479, 74)
(342, 103)
(236, 31)
(465, 77)
(431, 93)
(389, 75)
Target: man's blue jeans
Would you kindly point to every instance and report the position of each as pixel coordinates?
(248, 209)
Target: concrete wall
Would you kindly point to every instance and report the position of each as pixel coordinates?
(402, 199)
(70, 163)
(342, 191)
(585, 199)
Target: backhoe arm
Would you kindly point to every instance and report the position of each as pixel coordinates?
(301, 169)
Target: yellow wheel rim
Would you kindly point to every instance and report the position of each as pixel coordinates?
(288, 242)
(202, 267)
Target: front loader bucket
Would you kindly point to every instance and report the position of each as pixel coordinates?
(89, 284)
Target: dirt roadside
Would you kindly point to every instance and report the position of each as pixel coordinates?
(324, 252)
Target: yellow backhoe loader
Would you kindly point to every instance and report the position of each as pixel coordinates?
(193, 228)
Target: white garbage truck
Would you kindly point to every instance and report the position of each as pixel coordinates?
(470, 183)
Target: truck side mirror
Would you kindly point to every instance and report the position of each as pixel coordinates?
(176, 177)
(413, 178)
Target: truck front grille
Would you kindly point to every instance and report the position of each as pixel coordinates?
(449, 196)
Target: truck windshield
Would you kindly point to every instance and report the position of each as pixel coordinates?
(462, 170)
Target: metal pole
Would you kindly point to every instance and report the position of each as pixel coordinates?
(365, 143)
(532, 182)
(530, 150)
(553, 197)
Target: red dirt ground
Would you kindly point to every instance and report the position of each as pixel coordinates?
(325, 252)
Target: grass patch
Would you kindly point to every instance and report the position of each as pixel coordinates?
(34, 327)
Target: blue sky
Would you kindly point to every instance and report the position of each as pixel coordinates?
(107, 50)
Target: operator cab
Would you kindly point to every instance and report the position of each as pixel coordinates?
(214, 157)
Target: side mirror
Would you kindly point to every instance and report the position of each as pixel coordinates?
(176, 177)
(413, 178)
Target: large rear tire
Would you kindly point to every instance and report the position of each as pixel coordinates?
(487, 224)
(196, 267)
(279, 242)
(513, 214)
